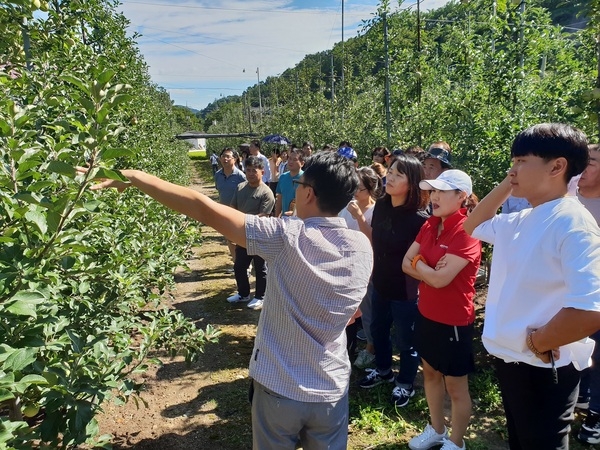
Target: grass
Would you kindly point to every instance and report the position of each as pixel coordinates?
(198, 155)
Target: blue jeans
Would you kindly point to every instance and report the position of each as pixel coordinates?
(367, 313)
(402, 314)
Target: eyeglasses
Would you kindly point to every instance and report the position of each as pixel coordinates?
(226, 157)
(304, 183)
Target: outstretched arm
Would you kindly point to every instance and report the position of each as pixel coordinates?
(487, 208)
(227, 221)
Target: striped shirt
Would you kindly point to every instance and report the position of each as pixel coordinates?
(318, 274)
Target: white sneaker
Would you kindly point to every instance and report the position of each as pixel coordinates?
(364, 359)
(449, 445)
(256, 304)
(238, 298)
(428, 438)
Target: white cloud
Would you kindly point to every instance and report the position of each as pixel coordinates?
(204, 46)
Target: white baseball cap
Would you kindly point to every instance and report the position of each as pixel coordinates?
(448, 181)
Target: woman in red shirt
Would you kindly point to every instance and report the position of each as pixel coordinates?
(446, 260)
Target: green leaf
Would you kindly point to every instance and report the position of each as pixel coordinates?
(87, 104)
(5, 394)
(120, 98)
(33, 379)
(61, 168)
(76, 341)
(110, 174)
(76, 81)
(50, 426)
(84, 287)
(19, 359)
(22, 309)
(33, 297)
(53, 220)
(38, 219)
(92, 206)
(106, 76)
(113, 153)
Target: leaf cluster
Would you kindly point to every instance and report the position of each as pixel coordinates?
(81, 276)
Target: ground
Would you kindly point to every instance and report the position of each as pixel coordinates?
(205, 405)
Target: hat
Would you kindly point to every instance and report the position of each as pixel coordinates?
(449, 180)
(347, 152)
(439, 153)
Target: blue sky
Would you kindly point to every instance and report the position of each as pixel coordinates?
(200, 50)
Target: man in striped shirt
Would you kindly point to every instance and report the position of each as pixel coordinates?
(318, 274)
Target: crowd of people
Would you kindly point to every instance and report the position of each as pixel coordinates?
(396, 245)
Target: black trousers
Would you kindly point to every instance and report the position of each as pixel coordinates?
(240, 269)
(538, 411)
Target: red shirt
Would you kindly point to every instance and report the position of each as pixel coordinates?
(452, 304)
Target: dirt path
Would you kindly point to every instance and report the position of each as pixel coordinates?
(182, 411)
(205, 406)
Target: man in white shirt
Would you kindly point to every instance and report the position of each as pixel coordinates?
(588, 193)
(544, 294)
(255, 151)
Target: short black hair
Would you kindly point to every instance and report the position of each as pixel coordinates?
(255, 161)
(296, 151)
(551, 141)
(256, 143)
(334, 180)
(233, 152)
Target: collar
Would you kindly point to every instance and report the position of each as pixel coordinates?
(326, 222)
(451, 221)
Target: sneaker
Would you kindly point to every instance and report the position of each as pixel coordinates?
(364, 359)
(401, 396)
(449, 445)
(428, 438)
(361, 335)
(582, 402)
(374, 379)
(590, 430)
(256, 304)
(238, 298)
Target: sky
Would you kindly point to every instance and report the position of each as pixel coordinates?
(201, 50)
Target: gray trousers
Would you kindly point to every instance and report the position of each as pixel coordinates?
(279, 423)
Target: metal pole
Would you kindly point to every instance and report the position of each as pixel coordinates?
(419, 84)
(26, 44)
(521, 32)
(247, 107)
(494, 8)
(343, 61)
(598, 82)
(259, 97)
